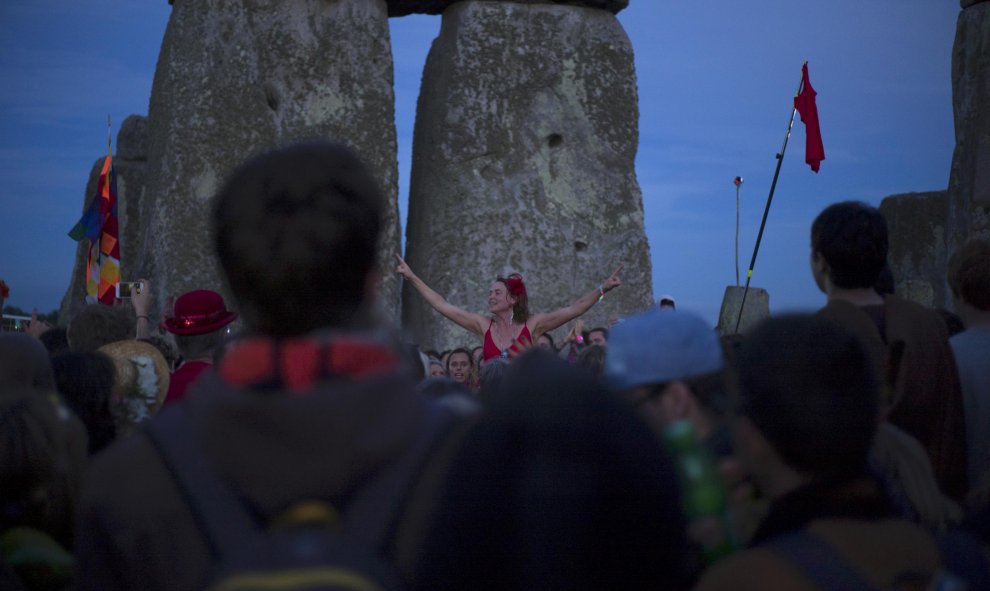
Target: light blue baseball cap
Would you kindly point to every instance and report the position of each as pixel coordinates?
(660, 346)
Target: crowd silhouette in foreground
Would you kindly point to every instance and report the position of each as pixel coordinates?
(289, 439)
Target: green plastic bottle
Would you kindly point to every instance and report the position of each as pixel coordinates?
(703, 495)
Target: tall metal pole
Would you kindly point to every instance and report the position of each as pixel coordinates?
(766, 210)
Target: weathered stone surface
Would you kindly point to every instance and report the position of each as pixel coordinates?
(404, 7)
(526, 133)
(969, 179)
(132, 212)
(756, 310)
(132, 139)
(237, 77)
(917, 253)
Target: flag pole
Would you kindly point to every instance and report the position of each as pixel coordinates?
(109, 137)
(738, 182)
(766, 210)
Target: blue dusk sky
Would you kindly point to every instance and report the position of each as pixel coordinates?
(716, 82)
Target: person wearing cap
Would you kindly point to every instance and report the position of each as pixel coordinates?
(670, 367)
(197, 320)
(666, 302)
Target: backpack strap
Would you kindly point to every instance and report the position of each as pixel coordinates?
(965, 557)
(223, 517)
(819, 561)
(219, 513)
(372, 513)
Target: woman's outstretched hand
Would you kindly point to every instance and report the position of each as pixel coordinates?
(403, 269)
(613, 280)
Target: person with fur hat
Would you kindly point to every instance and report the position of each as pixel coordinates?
(198, 322)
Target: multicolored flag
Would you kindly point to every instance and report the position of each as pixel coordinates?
(98, 224)
(804, 102)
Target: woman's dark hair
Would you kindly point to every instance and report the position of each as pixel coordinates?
(558, 485)
(55, 340)
(852, 238)
(36, 468)
(85, 381)
(296, 231)
(97, 325)
(516, 288)
(809, 386)
(592, 360)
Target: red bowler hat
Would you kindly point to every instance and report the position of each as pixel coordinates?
(198, 312)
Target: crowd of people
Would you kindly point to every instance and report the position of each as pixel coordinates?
(288, 438)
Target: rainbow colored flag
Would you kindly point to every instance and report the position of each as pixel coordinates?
(98, 224)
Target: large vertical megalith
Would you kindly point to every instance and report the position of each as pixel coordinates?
(969, 180)
(917, 256)
(236, 77)
(523, 160)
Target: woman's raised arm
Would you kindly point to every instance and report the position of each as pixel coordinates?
(475, 323)
(542, 323)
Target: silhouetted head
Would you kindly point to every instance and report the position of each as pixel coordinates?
(296, 231)
(851, 237)
(810, 388)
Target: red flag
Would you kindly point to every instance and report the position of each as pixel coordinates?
(804, 102)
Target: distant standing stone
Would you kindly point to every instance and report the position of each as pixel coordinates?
(756, 310)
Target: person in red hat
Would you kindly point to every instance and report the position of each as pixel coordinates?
(198, 322)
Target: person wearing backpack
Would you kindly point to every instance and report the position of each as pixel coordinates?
(807, 414)
(297, 462)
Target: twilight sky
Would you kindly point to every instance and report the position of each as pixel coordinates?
(716, 81)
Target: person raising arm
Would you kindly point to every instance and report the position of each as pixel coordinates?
(510, 328)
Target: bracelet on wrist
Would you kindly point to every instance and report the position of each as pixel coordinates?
(601, 292)
(142, 316)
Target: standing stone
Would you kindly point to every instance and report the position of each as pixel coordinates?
(917, 257)
(755, 310)
(523, 160)
(237, 77)
(130, 163)
(969, 180)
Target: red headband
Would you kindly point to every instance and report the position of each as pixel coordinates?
(514, 283)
